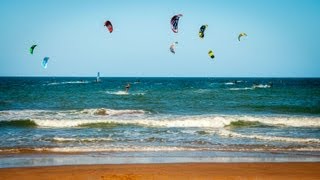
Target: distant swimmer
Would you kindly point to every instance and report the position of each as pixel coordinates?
(127, 87)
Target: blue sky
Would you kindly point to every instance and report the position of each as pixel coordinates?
(283, 38)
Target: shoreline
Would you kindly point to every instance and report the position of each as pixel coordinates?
(79, 159)
(292, 170)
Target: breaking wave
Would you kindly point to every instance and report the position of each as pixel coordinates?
(18, 123)
(109, 118)
(67, 114)
(227, 133)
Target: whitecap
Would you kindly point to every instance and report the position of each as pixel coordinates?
(268, 138)
(241, 89)
(68, 82)
(262, 86)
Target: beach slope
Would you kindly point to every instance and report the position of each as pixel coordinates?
(169, 171)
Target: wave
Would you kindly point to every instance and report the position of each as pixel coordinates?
(139, 118)
(63, 139)
(229, 83)
(112, 112)
(256, 86)
(68, 114)
(82, 149)
(97, 148)
(124, 93)
(227, 133)
(104, 125)
(117, 92)
(241, 124)
(68, 82)
(18, 123)
(261, 86)
(241, 89)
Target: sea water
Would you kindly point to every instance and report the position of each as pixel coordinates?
(160, 117)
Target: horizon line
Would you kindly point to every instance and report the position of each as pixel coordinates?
(307, 77)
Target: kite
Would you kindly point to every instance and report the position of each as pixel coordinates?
(32, 48)
(109, 26)
(240, 35)
(201, 31)
(174, 22)
(210, 53)
(173, 47)
(45, 62)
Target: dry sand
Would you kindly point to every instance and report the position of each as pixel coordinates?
(169, 171)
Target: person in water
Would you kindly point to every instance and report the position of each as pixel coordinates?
(127, 87)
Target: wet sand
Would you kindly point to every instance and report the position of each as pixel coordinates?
(290, 170)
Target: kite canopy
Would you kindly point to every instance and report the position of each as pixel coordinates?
(201, 31)
(109, 26)
(32, 48)
(210, 53)
(173, 47)
(45, 62)
(240, 35)
(174, 22)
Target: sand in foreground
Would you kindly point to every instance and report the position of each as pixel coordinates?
(169, 171)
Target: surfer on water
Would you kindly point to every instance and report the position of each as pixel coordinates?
(127, 87)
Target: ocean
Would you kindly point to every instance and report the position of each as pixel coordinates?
(196, 119)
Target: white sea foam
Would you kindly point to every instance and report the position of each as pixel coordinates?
(262, 86)
(200, 122)
(64, 139)
(68, 82)
(241, 89)
(66, 114)
(117, 92)
(124, 93)
(118, 149)
(111, 148)
(73, 118)
(21, 114)
(257, 86)
(229, 83)
(268, 138)
(141, 122)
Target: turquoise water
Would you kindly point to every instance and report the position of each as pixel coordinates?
(160, 115)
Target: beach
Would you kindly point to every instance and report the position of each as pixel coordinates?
(169, 171)
(159, 90)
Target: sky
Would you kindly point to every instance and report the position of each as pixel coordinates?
(283, 38)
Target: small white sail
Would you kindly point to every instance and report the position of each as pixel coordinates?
(98, 77)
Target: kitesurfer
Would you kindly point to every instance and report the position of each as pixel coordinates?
(127, 87)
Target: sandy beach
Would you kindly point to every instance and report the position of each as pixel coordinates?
(169, 171)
